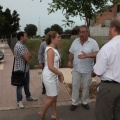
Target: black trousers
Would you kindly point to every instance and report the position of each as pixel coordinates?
(43, 86)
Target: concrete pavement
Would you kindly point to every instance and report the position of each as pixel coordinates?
(8, 105)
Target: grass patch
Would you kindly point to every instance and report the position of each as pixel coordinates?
(64, 48)
(33, 47)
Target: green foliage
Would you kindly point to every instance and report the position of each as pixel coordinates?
(54, 27)
(31, 30)
(33, 47)
(75, 30)
(9, 22)
(103, 25)
(47, 30)
(100, 40)
(68, 31)
(57, 28)
(84, 8)
(64, 48)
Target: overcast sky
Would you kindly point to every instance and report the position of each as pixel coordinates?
(31, 10)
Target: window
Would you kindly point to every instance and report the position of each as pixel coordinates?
(107, 23)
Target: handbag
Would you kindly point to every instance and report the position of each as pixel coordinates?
(18, 77)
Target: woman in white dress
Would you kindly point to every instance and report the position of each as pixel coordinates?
(51, 74)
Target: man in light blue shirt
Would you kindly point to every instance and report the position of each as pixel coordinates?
(81, 58)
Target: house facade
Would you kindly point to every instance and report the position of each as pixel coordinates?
(104, 18)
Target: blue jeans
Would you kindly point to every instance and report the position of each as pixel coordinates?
(26, 88)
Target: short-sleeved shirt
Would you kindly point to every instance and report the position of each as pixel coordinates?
(19, 51)
(83, 65)
(108, 60)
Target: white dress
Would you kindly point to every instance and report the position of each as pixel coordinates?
(50, 79)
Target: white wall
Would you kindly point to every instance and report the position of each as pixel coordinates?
(99, 31)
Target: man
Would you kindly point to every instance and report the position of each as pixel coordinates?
(108, 68)
(41, 60)
(81, 57)
(21, 55)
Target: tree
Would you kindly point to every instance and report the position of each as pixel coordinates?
(15, 22)
(84, 8)
(47, 30)
(54, 27)
(2, 21)
(9, 22)
(57, 28)
(67, 31)
(31, 30)
(75, 30)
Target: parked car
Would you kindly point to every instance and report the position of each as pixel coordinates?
(1, 55)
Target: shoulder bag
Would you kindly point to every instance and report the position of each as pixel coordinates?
(18, 77)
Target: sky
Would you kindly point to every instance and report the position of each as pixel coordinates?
(35, 12)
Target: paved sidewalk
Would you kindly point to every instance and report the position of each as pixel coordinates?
(8, 92)
(8, 105)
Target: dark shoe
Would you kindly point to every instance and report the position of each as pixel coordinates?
(44, 92)
(73, 107)
(86, 106)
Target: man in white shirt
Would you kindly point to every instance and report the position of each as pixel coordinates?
(108, 68)
(81, 58)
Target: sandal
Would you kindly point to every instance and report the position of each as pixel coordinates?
(54, 118)
(42, 117)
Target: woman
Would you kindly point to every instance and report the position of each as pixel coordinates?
(51, 74)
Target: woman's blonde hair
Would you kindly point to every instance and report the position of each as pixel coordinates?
(50, 35)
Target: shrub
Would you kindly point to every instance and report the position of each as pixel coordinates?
(64, 48)
(33, 47)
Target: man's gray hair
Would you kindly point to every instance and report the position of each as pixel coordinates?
(85, 26)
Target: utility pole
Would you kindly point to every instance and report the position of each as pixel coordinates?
(39, 27)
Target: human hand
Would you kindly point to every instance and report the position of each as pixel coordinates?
(41, 66)
(83, 56)
(61, 78)
(93, 74)
(70, 64)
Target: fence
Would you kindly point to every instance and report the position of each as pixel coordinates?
(12, 42)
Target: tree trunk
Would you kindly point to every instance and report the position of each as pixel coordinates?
(88, 24)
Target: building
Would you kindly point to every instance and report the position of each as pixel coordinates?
(104, 18)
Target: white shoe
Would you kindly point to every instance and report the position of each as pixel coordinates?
(20, 105)
(31, 98)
